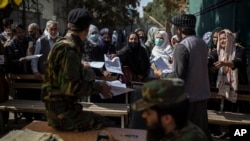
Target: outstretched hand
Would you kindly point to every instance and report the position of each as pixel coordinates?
(106, 90)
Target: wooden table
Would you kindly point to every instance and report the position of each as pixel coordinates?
(118, 133)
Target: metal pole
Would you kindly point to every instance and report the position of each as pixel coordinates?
(38, 14)
(24, 14)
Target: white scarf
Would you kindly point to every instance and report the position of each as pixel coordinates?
(227, 81)
(164, 51)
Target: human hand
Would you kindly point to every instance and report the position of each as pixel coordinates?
(111, 56)
(106, 74)
(85, 64)
(23, 60)
(157, 73)
(219, 64)
(106, 90)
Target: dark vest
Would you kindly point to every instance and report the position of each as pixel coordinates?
(45, 49)
(196, 82)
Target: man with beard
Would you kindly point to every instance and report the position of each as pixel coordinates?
(16, 50)
(43, 46)
(165, 109)
(190, 64)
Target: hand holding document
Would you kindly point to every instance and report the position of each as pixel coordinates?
(113, 65)
(29, 57)
(117, 88)
(161, 65)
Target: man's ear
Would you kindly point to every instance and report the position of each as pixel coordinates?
(167, 119)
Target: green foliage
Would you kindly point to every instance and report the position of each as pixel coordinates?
(163, 10)
(112, 12)
(107, 12)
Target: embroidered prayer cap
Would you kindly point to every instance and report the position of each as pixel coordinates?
(184, 20)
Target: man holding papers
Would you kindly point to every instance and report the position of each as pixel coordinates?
(65, 82)
(16, 49)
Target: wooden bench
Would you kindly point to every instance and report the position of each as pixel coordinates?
(229, 118)
(13, 81)
(34, 106)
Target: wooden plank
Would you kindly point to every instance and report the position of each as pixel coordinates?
(242, 97)
(27, 85)
(228, 118)
(35, 106)
(241, 88)
(22, 76)
(107, 109)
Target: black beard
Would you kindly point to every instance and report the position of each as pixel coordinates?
(155, 132)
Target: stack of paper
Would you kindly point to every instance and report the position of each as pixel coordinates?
(117, 88)
(113, 65)
(97, 65)
(29, 135)
(29, 57)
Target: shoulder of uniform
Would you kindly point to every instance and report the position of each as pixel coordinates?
(66, 42)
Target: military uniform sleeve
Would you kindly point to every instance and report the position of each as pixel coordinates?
(73, 73)
(181, 57)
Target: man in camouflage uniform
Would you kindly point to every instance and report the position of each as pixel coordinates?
(165, 109)
(65, 79)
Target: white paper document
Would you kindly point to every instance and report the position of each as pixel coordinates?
(161, 65)
(29, 57)
(29, 135)
(97, 65)
(113, 65)
(1, 59)
(117, 88)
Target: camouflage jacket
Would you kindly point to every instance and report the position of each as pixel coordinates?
(189, 133)
(65, 74)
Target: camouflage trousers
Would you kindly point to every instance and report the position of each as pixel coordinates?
(75, 119)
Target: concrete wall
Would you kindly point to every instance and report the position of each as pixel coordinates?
(231, 14)
(50, 10)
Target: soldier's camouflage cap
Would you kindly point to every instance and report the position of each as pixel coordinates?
(160, 92)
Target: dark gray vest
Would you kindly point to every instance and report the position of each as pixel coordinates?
(196, 82)
(45, 49)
